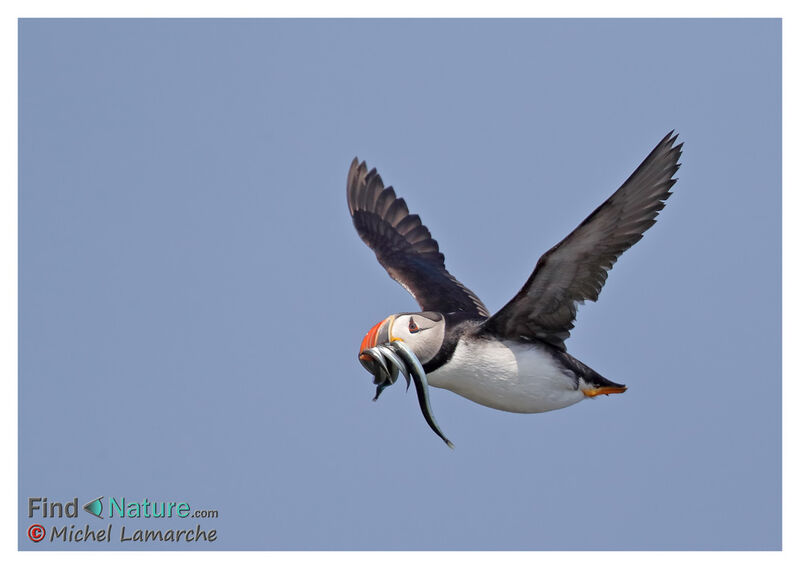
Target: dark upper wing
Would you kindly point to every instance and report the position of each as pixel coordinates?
(404, 246)
(576, 268)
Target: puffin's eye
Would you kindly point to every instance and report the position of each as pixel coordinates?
(412, 326)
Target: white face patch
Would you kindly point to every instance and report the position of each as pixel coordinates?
(422, 332)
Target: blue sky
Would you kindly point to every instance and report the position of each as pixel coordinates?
(193, 294)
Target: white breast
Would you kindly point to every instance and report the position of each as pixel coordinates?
(509, 376)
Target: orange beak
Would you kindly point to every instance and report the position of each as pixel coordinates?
(370, 340)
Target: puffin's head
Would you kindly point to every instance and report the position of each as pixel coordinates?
(401, 343)
(421, 332)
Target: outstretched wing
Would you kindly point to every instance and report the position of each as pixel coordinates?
(404, 246)
(576, 268)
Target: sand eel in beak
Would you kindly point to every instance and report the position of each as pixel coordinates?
(514, 360)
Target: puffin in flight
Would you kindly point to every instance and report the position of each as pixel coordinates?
(514, 360)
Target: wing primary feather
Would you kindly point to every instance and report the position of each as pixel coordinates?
(576, 268)
(404, 246)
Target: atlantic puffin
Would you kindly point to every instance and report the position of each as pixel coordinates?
(514, 360)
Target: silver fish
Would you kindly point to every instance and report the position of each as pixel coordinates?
(397, 362)
(387, 362)
(421, 385)
(385, 370)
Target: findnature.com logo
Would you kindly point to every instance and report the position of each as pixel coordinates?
(116, 508)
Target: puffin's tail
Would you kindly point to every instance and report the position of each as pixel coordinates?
(599, 385)
(595, 384)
